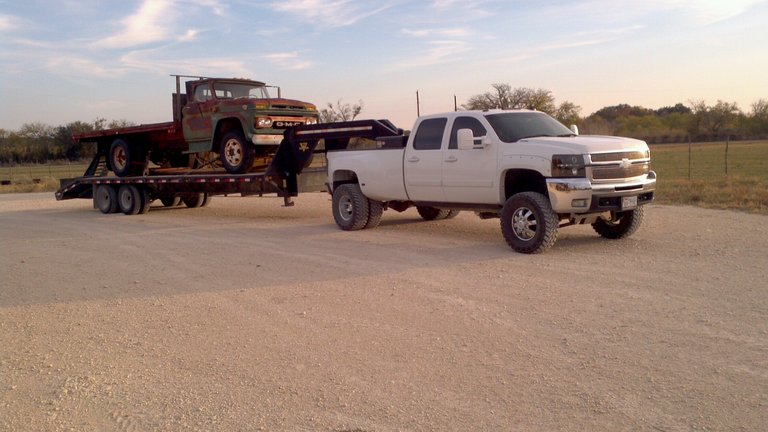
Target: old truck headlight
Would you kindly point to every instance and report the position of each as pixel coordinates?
(569, 165)
(263, 122)
(311, 121)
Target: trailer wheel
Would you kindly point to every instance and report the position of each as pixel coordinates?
(105, 199)
(146, 199)
(206, 200)
(351, 209)
(528, 223)
(170, 200)
(452, 214)
(236, 154)
(432, 213)
(125, 159)
(129, 198)
(194, 200)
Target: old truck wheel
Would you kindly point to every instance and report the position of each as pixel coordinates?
(432, 213)
(375, 211)
(623, 224)
(105, 199)
(125, 159)
(236, 154)
(351, 208)
(528, 223)
(129, 198)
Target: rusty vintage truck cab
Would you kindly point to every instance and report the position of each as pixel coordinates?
(232, 122)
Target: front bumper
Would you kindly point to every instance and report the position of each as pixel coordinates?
(264, 139)
(579, 195)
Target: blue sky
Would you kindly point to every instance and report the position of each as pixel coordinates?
(68, 60)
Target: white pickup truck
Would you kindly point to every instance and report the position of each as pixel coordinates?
(522, 166)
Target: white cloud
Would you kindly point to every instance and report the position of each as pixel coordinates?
(288, 61)
(8, 23)
(438, 52)
(331, 13)
(151, 23)
(443, 33)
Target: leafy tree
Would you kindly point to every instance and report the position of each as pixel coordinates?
(503, 96)
(568, 113)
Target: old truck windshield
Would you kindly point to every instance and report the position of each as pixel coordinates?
(512, 127)
(226, 90)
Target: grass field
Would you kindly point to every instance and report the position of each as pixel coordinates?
(698, 176)
(691, 176)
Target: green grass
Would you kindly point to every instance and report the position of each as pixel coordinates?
(698, 176)
(38, 178)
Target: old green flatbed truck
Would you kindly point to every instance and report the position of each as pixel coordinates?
(228, 121)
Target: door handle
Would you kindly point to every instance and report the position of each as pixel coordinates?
(452, 159)
(413, 159)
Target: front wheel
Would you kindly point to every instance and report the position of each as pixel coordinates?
(622, 224)
(351, 209)
(528, 223)
(236, 154)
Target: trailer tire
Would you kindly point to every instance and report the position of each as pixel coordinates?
(146, 199)
(452, 214)
(432, 213)
(351, 209)
(124, 159)
(237, 155)
(624, 224)
(528, 223)
(206, 200)
(129, 198)
(375, 212)
(105, 199)
(170, 200)
(193, 200)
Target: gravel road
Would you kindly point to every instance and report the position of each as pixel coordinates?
(245, 316)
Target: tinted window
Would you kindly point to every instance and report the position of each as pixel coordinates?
(478, 129)
(429, 136)
(511, 127)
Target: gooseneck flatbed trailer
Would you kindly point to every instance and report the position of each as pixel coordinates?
(289, 172)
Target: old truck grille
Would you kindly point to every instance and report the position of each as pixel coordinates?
(619, 165)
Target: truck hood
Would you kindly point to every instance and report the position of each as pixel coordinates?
(280, 104)
(583, 144)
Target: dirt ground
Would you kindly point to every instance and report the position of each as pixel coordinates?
(246, 316)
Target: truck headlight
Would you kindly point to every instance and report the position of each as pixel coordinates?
(263, 122)
(311, 121)
(569, 165)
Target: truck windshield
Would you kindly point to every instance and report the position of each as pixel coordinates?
(240, 90)
(514, 126)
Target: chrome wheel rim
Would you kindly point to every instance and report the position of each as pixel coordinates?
(345, 208)
(524, 223)
(233, 152)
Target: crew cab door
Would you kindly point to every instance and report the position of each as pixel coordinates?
(422, 166)
(470, 175)
(196, 119)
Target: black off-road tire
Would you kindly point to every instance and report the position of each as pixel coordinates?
(236, 154)
(105, 199)
(375, 212)
(624, 224)
(432, 213)
(125, 159)
(129, 198)
(528, 223)
(351, 209)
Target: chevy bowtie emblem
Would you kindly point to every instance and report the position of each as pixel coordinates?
(625, 164)
(303, 147)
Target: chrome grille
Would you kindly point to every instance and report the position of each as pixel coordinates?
(619, 165)
(607, 172)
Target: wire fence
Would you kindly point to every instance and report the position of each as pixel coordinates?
(37, 173)
(711, 160)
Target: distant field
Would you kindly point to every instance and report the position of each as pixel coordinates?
(698, 177)
(37, 178)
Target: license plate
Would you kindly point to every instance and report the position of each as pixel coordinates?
(628, 202)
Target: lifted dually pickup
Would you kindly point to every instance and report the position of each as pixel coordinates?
(235, 118)
(521, 166)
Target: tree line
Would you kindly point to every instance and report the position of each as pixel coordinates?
(696, 120)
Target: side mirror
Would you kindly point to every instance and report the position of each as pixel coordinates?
(575, 129)
(465, 139)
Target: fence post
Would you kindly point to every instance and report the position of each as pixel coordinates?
(689, 157)
(727, 142)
